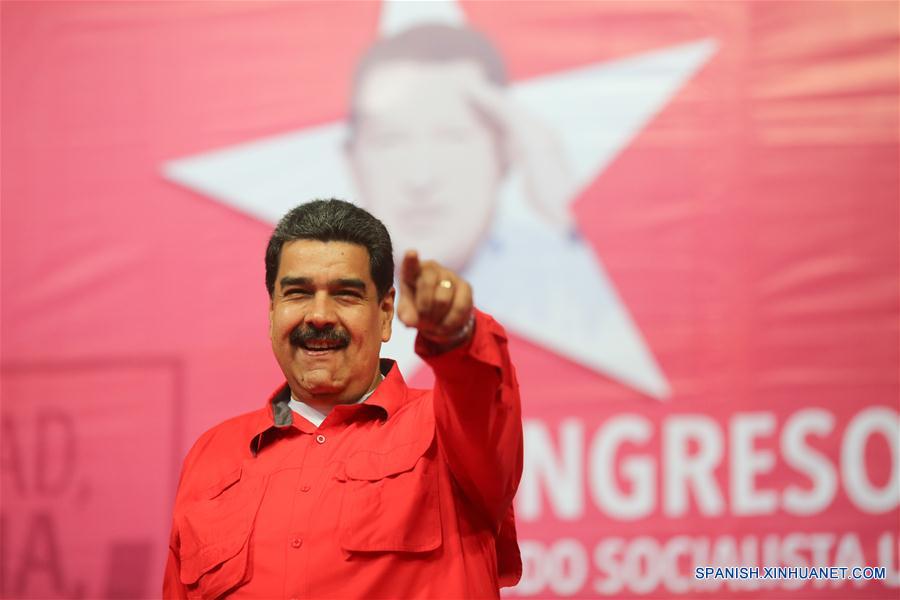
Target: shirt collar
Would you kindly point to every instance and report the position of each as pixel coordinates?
(390, 395)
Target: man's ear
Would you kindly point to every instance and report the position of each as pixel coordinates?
(271, 320)
(387, 313)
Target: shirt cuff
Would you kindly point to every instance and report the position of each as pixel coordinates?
(484, 346)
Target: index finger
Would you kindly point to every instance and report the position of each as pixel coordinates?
(409, 271)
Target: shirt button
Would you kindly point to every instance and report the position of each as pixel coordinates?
(304, 487)
(296, 542)
(320, 438)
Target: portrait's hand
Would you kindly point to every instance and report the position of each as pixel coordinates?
(535, 148)
(435, 300)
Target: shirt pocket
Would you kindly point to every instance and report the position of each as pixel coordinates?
(215, 535)
(390, 501)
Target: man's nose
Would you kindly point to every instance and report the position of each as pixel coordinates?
(421, 171)
(321, 312)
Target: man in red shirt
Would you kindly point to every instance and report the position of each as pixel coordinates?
(347, 483)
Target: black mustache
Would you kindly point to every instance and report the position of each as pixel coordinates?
(301, 336)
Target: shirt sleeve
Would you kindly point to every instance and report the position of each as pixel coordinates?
(172, 586)
(478, 415)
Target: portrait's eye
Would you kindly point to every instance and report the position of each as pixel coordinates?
(384, 138)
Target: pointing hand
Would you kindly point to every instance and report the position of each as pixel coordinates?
(435, 300)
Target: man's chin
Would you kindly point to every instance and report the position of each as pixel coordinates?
(320, 382)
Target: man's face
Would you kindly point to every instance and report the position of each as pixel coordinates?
(425, 162)
(326, 322)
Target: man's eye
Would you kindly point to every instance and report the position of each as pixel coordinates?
(297, 292)
(386, 139)
(350, 293)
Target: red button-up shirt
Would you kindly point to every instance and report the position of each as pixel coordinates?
(408, 494)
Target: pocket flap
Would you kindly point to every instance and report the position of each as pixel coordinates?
(216, 529)
(371, 466)
(211, 557)
(223, 484)
(394, 448)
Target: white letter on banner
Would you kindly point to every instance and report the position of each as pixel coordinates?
(808, 461)
(747, 462)
(607, 561)
(533, 579)
(642, 565)
(887, 548)
(639, 471)
(853, 460)
(560, 477)
(567, 566)
(849, 554)
(683, 470)
(676, 548)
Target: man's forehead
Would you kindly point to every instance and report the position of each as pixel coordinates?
(393, 82)
(314, 258)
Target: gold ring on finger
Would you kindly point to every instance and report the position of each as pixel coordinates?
(446, 284)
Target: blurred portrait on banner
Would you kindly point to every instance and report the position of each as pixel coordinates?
(476, 174)
(684, 214)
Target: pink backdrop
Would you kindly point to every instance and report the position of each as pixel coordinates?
(750, 228)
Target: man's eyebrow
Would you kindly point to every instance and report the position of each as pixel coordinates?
(350, 282)
(286, 281)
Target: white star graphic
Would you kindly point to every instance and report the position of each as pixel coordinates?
(596, 110)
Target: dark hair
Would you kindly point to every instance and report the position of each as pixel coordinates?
(334, 221)
(430, 43)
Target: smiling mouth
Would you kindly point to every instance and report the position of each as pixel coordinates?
(321, 347)
(318, 342)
